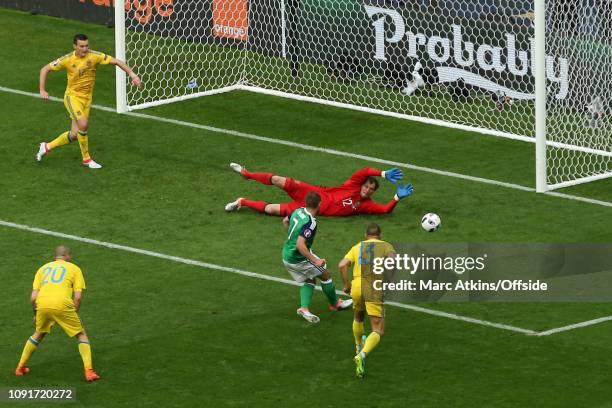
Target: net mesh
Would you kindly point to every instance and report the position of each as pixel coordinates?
(578, 130)
(467, 62)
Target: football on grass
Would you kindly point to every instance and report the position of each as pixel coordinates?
(431, 222)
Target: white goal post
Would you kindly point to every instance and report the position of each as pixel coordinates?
(536, 71)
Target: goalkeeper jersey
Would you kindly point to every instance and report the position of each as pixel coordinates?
(346, 199)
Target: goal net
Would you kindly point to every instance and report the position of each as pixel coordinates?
(467, 64)
(579, 133)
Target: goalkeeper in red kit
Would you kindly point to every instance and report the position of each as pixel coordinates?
(351, 198)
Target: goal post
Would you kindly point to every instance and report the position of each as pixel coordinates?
(540, 95)
(534, 71)
(578, 129)
(120, 77)
(182, 49)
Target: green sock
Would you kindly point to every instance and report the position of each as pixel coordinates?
(330, 291)
(306, 292)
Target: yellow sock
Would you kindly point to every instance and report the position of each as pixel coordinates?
(29, 348)
(84, 145)
(61, 140)
(371, 342)
(358, 331)
(85, 351)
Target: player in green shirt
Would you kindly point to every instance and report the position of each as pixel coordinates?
(303, 264)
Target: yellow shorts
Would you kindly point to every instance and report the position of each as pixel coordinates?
(77, 106)
(67, 319)
(375, 309)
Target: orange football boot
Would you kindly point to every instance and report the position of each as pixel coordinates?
(90, 375)
(21, 371)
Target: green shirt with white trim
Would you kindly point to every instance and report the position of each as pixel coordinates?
(301, 223)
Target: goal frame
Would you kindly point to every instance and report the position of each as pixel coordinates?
(540, 140)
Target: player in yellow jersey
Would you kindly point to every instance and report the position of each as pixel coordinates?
(56, 298)
(80, 67)
(365, 298)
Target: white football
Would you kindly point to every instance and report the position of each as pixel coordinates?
(431, 222)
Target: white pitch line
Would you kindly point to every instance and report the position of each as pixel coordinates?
(574, 326)
(463, 318)
(333, 152)
(578, 198)
(327, 151)
(256, 275)
(249, 274)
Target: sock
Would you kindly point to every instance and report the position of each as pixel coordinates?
(263, 178)
(259, 206)
(284, 211)
(358, 330)
(330, 291)
(84, 145)
(29, 348)
(306, 292)
(371, 342)
(61, 140)
(85, 351)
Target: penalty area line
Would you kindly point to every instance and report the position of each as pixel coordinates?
(574, 326)
(207, 265)
(333, 152)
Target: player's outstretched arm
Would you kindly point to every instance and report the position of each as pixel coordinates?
(343, 266)
(77, 299)
(42, 82)
(360, 176)
(303, 249)
(135, 78)
(33, 301)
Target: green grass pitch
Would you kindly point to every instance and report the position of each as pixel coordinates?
(173, 335)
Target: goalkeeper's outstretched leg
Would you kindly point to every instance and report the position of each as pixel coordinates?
(296, 189)
(259, 206)
(264, 178)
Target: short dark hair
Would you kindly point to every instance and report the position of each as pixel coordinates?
(372, 180)
(373, 230)
(313, 199)
(79, 37)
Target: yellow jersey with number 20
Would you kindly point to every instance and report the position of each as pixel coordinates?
(56, 282)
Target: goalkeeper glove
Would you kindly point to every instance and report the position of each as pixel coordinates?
(403, 191)
(393, 175)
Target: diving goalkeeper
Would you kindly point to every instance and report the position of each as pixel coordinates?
(351, 198)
